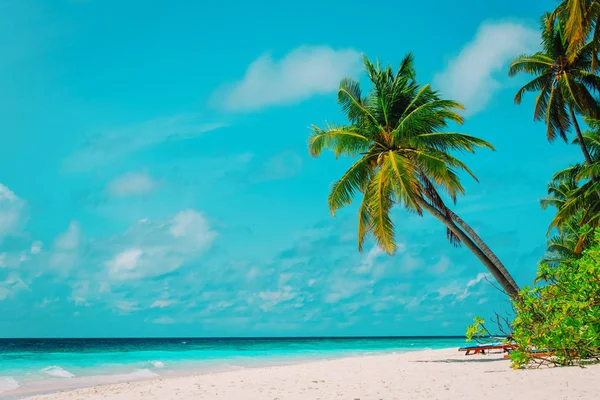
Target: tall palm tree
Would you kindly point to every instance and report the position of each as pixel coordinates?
(566, 87)
(581, 20)
(397, 131)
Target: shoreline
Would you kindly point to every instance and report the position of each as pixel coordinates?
(422, 374)
(186, 369)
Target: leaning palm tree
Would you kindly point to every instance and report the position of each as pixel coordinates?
(397, 132)
(566, 87)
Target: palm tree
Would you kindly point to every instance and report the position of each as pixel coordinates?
(397, 132)
(572, 234)
(574, 191)
(565, 86)
(581, 20)
(569, 241)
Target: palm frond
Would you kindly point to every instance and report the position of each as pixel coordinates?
(339, 139)
(356, 177)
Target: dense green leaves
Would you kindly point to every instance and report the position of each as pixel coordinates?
(406, 157)
(581, 19)
(561, 315)
(566, 86)
(574, 191)
(398, 131)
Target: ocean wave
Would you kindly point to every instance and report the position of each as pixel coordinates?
(141, 373)
(57, 372)
(157, 364)
(8, 383)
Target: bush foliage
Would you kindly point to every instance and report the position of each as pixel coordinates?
(557, 321)
(561, 313)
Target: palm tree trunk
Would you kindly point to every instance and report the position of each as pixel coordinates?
(486, 250)
(511, 290)
(584, 150)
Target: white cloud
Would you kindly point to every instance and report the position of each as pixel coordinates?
(300, 74)
(47, 301)
(369, 259)
(131, 184)
(153, 249)
(65, 252)
(470, 76)
(11, 211)
(36, 247)
(480, 276)
(442, 265)
(125, 261)
(127, 306)
(112, 144)
(12, 284)
(460, 292)
(80, 292)
(410, 262)
(163, 303)
(343, 286)
(69, 240)
(191, 225)
(273, 298)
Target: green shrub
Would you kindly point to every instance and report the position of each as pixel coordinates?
(560, 314)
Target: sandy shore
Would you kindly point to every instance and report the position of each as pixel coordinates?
(432, 374)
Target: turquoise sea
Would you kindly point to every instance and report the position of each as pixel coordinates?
(29, 366)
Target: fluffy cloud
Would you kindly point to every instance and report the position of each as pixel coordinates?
(162, 303)
(151, 249)
(370, 259)
(470, 76)
(65, 251)
(11, 285)
(11, 211)
(131, 184)
(300, 74)
(127, 306)
(36, 247)
(461, 291)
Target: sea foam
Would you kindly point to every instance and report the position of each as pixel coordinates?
(8, 383)
(141, 373)
(57, 372)
(157, 364)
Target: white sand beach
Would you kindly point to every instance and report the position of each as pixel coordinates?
(429, 374)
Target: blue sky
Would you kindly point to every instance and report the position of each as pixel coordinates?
(156, 181)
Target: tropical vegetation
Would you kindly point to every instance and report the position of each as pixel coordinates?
(565, 86)
(398, 132)
(561, 316)
(405, 154)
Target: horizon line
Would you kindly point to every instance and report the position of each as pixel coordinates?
(245, 337)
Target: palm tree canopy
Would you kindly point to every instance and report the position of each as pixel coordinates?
(581, 18)
(398, 132)
(562, 84)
